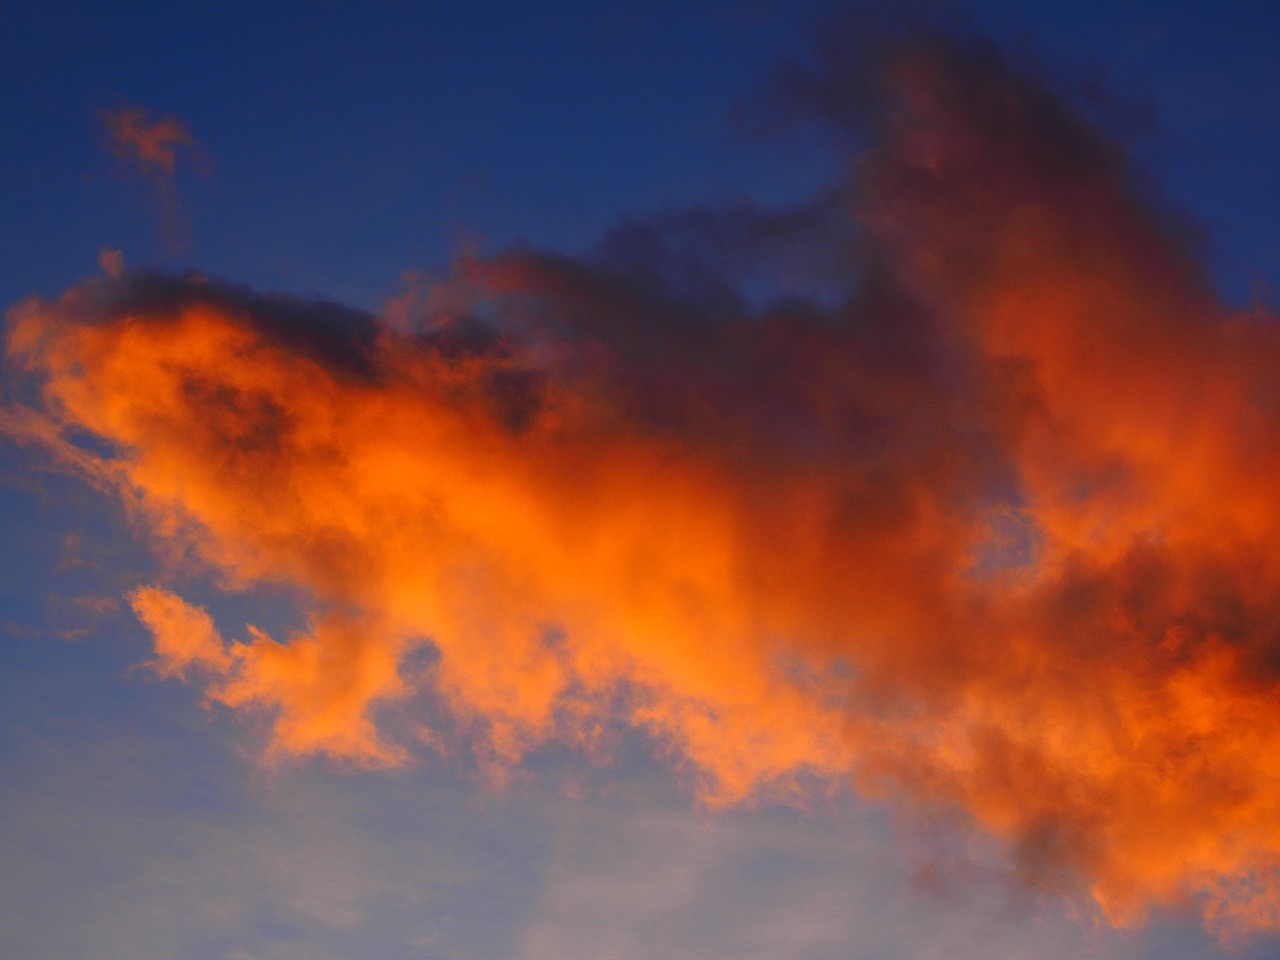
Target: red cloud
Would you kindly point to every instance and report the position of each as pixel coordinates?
(151, 148)
(151, 145)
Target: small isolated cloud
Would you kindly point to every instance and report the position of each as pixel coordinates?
(152, 148)
(111, 261)
(150, 145)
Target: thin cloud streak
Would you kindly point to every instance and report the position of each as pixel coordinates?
(992, 530)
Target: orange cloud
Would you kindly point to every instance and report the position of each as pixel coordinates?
(996, 531)
(185, 636)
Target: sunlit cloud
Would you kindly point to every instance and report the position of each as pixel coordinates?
(990, 527)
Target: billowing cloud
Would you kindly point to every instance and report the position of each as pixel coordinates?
(985, 519)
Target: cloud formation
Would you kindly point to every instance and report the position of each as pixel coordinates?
(988, 522)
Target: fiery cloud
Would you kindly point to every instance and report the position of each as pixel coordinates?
(994, 528)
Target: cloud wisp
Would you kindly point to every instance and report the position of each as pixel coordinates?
(151, 148)
(989, 524)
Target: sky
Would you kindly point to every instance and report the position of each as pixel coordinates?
(563, 480)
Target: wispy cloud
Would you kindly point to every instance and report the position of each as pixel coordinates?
(206, 866)
(152, 148)
(652, 883)
(152, 145)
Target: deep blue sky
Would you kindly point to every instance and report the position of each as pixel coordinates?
(348, 142)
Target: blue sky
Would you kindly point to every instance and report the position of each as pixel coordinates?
(339, 146)
(346, 145)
